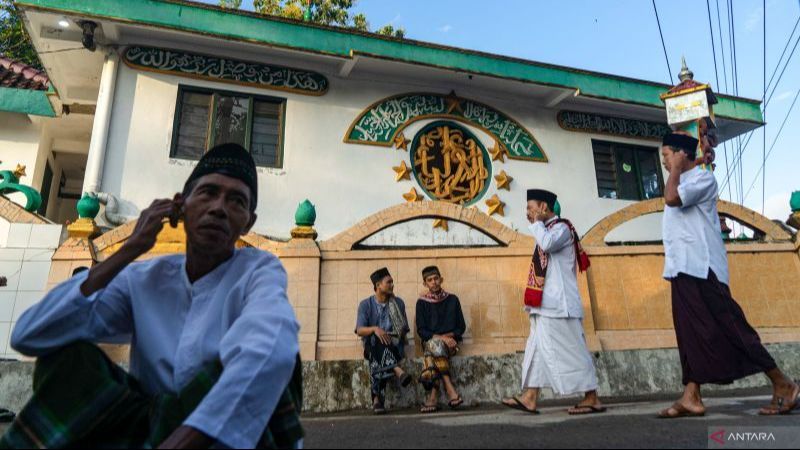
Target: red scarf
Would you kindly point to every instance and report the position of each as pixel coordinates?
(430, 297)
(535, 290)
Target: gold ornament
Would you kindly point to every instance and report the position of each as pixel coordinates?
(441, 223)
(498, 152)
(400, 142)
(453, 103)
(503, 180)
(402, 172)
(496, 206)
(19, 172)
(412, 196)
(449, 165)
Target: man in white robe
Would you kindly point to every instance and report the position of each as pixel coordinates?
(214, 340)
(556, 355)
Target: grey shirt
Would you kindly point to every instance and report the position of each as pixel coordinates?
(372, 313)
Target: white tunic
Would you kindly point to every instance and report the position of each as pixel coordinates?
(692, 236)
(238, 314)
(560, 298)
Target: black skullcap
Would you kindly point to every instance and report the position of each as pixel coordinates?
(379, 275)
(231, 160)
(543, 196)
(430, 270)
(682, 142)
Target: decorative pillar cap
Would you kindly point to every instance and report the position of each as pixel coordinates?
(304, 218)
(685, 73)
(794, 201)
(88, 206)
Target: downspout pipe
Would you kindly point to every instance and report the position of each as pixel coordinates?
(102, 117)
(111, 212)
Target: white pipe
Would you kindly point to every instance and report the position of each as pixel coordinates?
(102, 117)
(111, 211)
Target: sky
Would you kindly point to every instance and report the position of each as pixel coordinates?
(621, 37)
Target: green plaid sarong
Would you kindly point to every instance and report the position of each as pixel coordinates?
(82, 399)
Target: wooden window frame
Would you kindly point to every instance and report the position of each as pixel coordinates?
(210, 133)
(614, 146)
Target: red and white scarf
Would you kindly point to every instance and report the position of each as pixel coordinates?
(535, 290)
(430, 297)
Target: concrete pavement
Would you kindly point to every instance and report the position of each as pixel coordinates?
(625, 425)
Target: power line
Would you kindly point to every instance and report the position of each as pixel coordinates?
(764, 115)
(785, 119)
(716, 77)
(664, 45)
(738, 157)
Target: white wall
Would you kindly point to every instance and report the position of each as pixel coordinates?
(25, 254)
(20, 143)
(346, 182)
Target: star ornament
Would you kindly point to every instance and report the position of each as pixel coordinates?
(402, 172)
(503, 180)
(441, 223)
(19, 172)
(496, 206)
(499, 152)
(412, 196)
(453, 103)
(401, 143)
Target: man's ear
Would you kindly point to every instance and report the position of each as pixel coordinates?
(253, 218)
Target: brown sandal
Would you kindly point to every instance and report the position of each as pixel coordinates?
(778, 406)
(586, 409)
(681, 410)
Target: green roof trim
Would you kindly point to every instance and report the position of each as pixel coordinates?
(26, 101)
(297, 35)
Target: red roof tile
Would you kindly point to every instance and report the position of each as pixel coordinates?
(17, 75)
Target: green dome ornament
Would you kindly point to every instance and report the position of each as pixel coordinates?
(304, 218)
(88, 206)
(794, 201)
(306, 214)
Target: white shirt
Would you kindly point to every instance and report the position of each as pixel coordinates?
(560, 298)
(238, 314)
(692, 235)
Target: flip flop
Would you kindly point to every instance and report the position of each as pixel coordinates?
(429, 409)
(405, 380)
(779, 409)
(681, 410)
(521, 407)
(455, 403)
(592, 409)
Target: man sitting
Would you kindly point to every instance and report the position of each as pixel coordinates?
(382, 325)
(440, 326)
(214, 340)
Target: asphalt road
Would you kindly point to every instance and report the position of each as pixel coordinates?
(625, 425)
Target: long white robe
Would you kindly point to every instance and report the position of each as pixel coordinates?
(556, 355)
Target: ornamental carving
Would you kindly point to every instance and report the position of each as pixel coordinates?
(178, 62)
(382, 122)
(615, 126)
(450, 163)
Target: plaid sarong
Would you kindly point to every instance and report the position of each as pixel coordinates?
(82, 399)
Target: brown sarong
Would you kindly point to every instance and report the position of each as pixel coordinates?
(715, 342)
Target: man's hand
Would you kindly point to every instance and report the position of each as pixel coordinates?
(382, 336)
(449, 341)
(187, 437)
(150, 223)
(678, 161)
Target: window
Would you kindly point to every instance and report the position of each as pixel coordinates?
(205, 118)
(627, 172)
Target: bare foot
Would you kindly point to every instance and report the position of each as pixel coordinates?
(784, 400)
(683, 408)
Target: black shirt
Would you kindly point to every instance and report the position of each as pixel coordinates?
(440, 318)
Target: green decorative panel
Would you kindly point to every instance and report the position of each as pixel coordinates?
(178, 62)
(380, 123)
(614, 126)
(10, 184)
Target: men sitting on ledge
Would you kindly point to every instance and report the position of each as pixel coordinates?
(214, 340)
(440, 326)
(382, 325)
